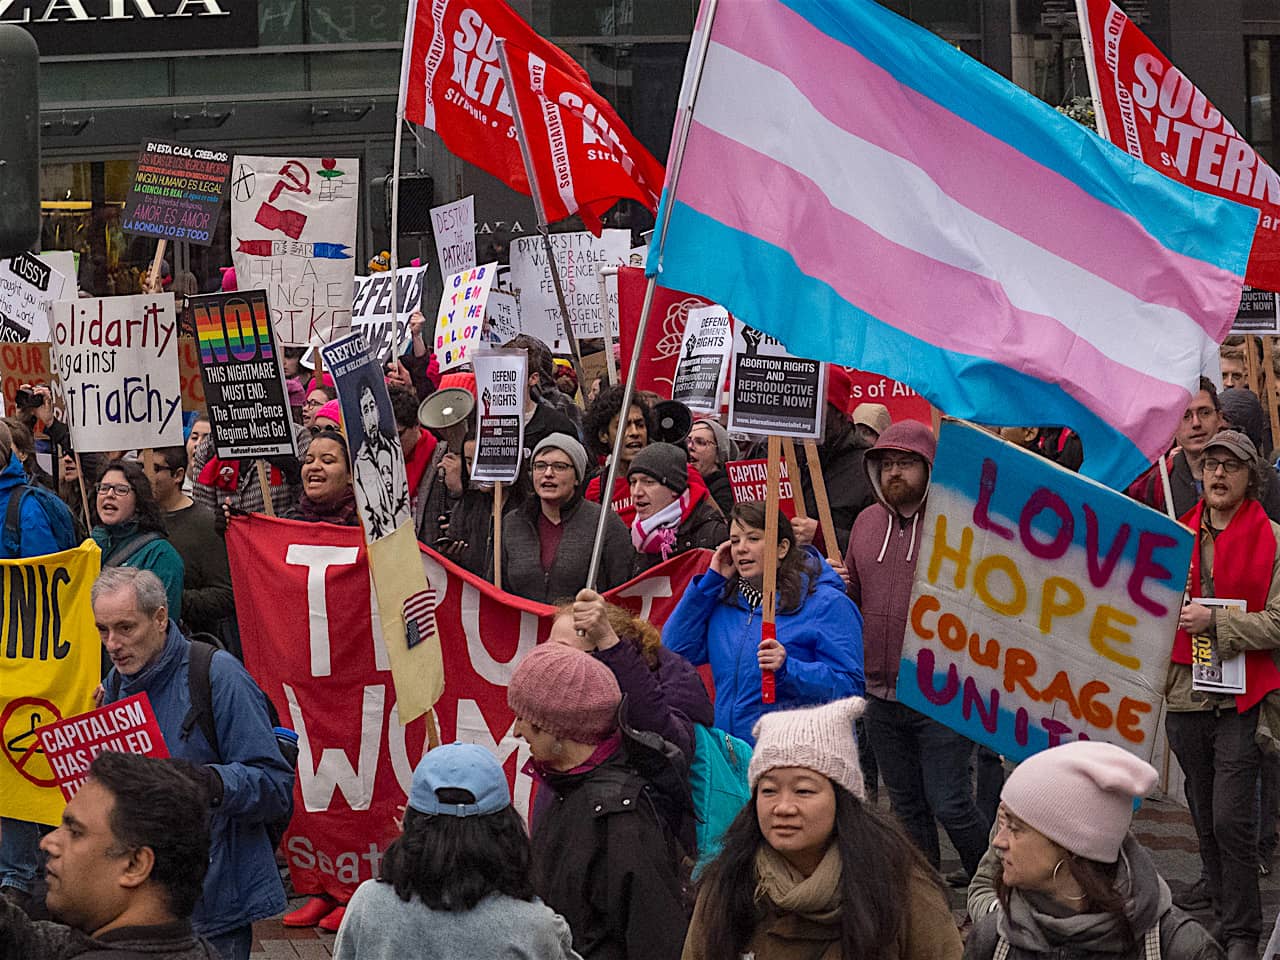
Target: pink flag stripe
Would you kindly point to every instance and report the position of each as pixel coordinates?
(825, 241)
(976, 169)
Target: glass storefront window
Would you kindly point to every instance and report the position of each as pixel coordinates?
(613, 18)
(362, 69)
(68, 83)
(1260, 68)
(341, 21)
(223, 76)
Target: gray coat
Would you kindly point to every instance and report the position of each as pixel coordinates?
(522, 572)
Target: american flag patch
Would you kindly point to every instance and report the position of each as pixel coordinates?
(419, 618)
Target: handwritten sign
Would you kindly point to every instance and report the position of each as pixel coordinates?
(177, 192)
(293, 234)
(700, 371)
(461, 315)
(749, 480)
(126, 726)
(501, 317)
(118, 360)
(29, 363)
(1044, 606)
(373, 309)
(500, 379)
(454, 226)
(189, 375)
(772, 391)
(243, 379)
(29, 286)
(577, 257)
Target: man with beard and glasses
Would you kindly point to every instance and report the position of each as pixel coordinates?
(924, 764)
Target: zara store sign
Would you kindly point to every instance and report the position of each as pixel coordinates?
(109, 26)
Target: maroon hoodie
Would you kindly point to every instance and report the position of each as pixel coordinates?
(883, 549)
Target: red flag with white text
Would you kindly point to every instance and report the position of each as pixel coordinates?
(1147, 107)
(451, 82)
(584, 158)
(661, 351)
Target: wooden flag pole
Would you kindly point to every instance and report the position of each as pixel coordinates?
(497, 534)
(264, 481)
(824, 503)
(1268, 395)
(769, 605)
(793, 474)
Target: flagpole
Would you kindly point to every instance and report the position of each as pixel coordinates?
(1091, 67)
(689, 96)
(410, 22)
(529, 171)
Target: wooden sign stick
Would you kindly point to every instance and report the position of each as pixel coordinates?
(497, 534)
(1251, 363)
(264, 480)
(84, 496)
(1268, 395)
(793, 474)
(153, 272)
(769, 605)
(824, 503)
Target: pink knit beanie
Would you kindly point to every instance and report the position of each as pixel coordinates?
(331, 411)
(1080, 795)
(566, 692)
(820, 739)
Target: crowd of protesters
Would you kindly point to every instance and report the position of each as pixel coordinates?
(175, 858)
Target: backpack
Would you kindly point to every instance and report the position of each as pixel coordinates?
(61, 522)
(718, 781)
(200, 690)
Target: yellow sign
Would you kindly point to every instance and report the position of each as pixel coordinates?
(50, 663)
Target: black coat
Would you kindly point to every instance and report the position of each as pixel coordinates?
(845, 476)
(721, 489)
(706, 528)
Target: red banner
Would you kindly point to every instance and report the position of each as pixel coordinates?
(126, 726)
(331, 682)
(903, 402)
(584, 157)
(661, 351)
(1151, 110)
(455, 84)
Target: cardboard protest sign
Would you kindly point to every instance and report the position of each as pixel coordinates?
(243, 379)
(454, 226)
(700, 372)
(189, 375)
(501, 317)
(500, 383)
(373, 309)
(50, 663)
(1044, 605)
(177, 192)
(329, 676)
(29, 286)
(577, 256)
(126, 726)
(663, 336)
(118, 360)
(748, 478)
(771, 391)
(461, 315)
(29, 363)
(1257, 315)
(903, 402)
(293, 234)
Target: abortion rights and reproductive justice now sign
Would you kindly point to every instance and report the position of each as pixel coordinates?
(1044, 606)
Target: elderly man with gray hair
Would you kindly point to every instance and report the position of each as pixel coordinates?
(249, 782)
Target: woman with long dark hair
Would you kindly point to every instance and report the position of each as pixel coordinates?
(456, 883)
(128, 527)
(327, 494)
(1072, 880)
(809, 869)
(817, 655)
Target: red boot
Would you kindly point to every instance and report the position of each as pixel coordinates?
(333, 920)
(309, 914)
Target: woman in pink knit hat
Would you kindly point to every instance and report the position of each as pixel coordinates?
(1071, 880)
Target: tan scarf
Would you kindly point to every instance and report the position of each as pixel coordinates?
(815, 897)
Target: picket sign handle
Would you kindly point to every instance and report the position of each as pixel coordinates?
(1269, 387)
(769, 605)
(84, 496)
(264, 481)
(793, 472)
(611, 364)
(153, 273)
(824, 503)
(149, 460)
(1251, 362)
(497, 534)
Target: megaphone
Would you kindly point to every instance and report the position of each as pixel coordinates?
(674, 421)
(447, 411)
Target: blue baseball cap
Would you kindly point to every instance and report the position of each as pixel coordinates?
(459, 766)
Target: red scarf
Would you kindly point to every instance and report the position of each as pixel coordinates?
(225, 475)
(416, 465)
(1243, 557)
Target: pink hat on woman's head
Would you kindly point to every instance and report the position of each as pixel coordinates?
(820, 739)
(331, 411)
(566, 692)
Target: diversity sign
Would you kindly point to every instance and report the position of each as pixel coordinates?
(461, 315)
(50, 663)
(293, 234)
(771, 391)
(700, 372)
(577, 257)
(126, 726)
(29, 286)
(500, 379)
(244, 387)
(1044, 606)
(118, 360)
(454, 226)
(177, 192)
(373, 309)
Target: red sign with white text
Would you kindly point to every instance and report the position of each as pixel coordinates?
(1153, 112)
(331, 681)
(126, 726)
(903, 402)
(749, 479)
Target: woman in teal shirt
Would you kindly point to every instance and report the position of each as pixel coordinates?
(129, 529)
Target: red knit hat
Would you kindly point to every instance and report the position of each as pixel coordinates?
(566, 692)
(839, 387)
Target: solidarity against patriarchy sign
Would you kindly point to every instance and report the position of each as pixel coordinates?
(1044, 606)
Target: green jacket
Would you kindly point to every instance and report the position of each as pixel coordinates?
(158, 556)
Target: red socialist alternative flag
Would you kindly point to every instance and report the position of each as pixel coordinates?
(584, 158)
(451, 83)
(1149, 108)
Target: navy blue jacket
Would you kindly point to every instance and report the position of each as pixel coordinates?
(37, 535)
(243, 884)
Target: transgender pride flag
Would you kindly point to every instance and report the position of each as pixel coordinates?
(868, 194)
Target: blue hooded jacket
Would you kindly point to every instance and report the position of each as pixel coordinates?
(37, 535)
(243, 884)
(823, 640)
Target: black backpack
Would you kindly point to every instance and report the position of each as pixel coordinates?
(200, 690)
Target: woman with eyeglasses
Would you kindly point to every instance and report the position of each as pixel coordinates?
(129, 528)
(709, 449)
(546, 543)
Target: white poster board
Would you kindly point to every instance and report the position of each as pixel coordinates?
(772, 391)
(373, 309)
(454, 226)
(704, 351)
(461, 315)
(577, 257)
(500, 385)
(501, 317)
(29, 286)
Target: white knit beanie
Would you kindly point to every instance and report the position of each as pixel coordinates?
(1080, 795)
(820, 739)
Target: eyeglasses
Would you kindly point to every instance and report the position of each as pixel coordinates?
(900, 463)
(543, 466)
(119, 489)
(1211, 465)
(312, 404)
(700, 442)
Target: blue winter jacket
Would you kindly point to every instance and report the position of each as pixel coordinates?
(37, 535)
(243, 884)
(823, 640)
